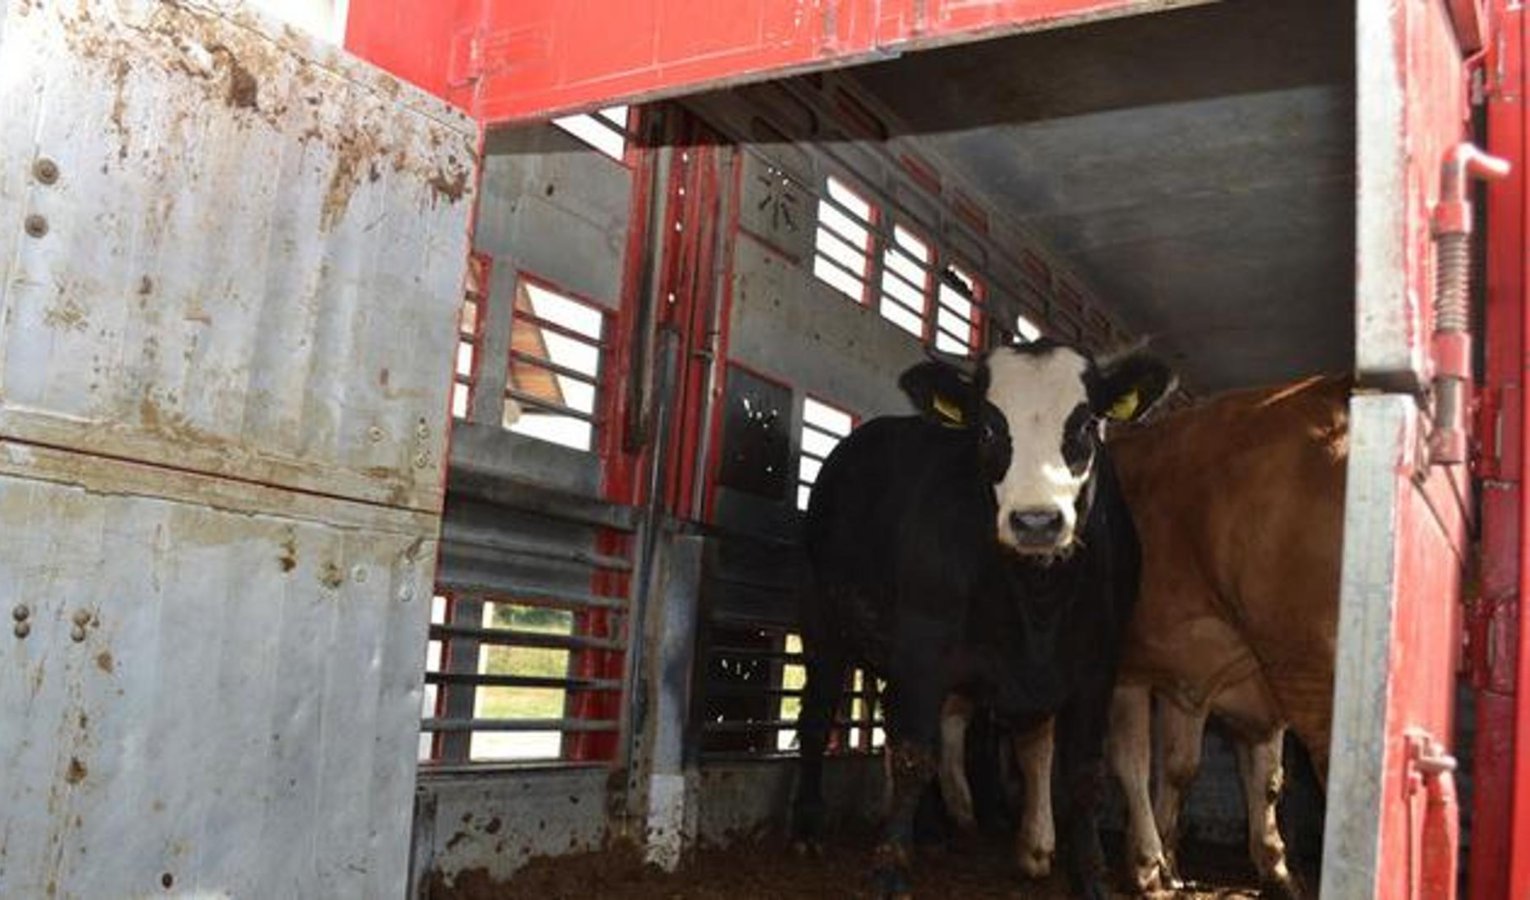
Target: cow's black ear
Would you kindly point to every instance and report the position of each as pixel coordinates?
(941, 393)
(1127, 389)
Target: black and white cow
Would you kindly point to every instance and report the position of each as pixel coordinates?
(980, 548)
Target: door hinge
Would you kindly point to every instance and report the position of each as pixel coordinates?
(1452, 343)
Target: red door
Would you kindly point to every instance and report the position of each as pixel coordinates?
(1392, 813)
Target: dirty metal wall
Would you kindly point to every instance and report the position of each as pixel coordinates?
(216, 276)
(230, 272)
(481, 828)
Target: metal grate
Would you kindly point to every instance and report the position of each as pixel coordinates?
(521, 664)
(957, 321)
(843, 240)
(906, 281)
(823, 427)
(753, 694)
(556, 353)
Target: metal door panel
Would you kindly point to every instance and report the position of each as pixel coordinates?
(1398, 621)
(217, 689)
(1411, 108)
(226, 248)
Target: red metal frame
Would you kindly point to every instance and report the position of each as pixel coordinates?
(1511, 255)
(622, 480)
(1500, 808)
(721, 345)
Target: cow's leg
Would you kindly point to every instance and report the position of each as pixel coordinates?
(1260, 764)
(1081, 734)
(820, 695)
(915, 693)
(955, 716)
(1036, 841)
(1129, 747)
(1179, 735)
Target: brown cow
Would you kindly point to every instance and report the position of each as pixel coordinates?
(1239, 504)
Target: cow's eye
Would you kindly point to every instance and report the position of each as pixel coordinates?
(988, 433)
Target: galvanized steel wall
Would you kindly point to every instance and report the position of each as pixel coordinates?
(230, 266)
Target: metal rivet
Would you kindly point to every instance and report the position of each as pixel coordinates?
(375, 434)
(422, 430)
(406, 593)
(421, 460)
(21, 612)
(82, 617)
(36, 225)
(77, 633)
(22, 629)
(358, 574)
(45, 170)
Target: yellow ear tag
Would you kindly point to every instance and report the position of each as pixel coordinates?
(1124, 408)
(948, 410)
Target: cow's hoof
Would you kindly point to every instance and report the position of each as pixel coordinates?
(1036, 863)
(1152, 875)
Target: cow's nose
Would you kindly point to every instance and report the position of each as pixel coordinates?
(1035, 525)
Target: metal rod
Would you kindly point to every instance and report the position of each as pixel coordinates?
(460, 725)
(509, 638)
(570, 333)
(457, 534)
(524, 595)
(550, 366)
(721, 274)
(525, 681)
(779, 725)
(537, 404)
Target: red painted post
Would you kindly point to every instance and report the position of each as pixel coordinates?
(1493, 646)
(1519, 835)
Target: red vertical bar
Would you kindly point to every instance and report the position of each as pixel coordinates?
(1519, 839)
(1496, 613)
(620, 470)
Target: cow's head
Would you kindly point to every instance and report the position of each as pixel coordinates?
(1037, 412)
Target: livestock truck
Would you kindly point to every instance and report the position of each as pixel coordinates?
(407, 406)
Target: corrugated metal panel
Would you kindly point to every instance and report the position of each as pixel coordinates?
(248, 260)
(230, 266)
(218, 689)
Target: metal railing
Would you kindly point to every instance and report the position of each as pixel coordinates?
(533, 571)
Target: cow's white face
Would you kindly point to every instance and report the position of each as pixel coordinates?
(1055, 437)
(1036, 413)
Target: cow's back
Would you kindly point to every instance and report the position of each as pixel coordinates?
(897, 519)
(1239, 504)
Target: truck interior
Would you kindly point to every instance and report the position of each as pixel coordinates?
(675, 310)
